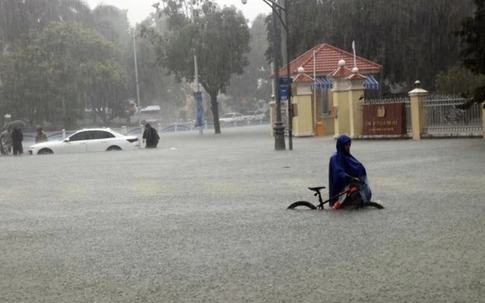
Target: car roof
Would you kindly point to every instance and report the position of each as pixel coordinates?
(99, 128)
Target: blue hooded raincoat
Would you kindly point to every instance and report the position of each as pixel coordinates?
(343, 166)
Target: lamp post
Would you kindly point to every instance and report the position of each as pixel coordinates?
(136, 79)
(196, 74)
(279, 129)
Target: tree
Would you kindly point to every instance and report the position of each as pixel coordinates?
(56, 74)
(410, 38)
(458, 81)
(219, 38)
(253, 85)
(472, 34)
(156, 85)
(18, 17)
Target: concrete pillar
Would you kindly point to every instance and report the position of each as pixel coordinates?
(340, 93)
(272, 114)
(418, 96)
(356, 113)
(303, 121)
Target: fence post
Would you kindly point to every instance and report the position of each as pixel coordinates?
(418, 96)
(483, 119)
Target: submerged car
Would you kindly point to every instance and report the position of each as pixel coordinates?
(87, 140)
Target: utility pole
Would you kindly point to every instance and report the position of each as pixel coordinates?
(197, 94)
(136, 79)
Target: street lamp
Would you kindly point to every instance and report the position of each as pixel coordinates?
(136, 78)
(279, 129)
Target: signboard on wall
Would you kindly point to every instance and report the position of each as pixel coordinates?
(285, 92)
(384, 119)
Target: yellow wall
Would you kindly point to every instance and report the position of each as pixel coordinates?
(356, 114)
(328, 126)
(272, 116)
(303, 123)
(341, 101)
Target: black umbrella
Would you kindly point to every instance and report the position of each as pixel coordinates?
(17, 124)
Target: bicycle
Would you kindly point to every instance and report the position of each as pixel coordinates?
(349, 198)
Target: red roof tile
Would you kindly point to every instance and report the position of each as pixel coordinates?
(326, 61)
(303, 78)
(356, 77)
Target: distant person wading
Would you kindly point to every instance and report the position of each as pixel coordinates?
(150, 136)
(40, 136)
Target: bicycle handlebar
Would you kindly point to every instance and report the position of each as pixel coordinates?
(355, 180)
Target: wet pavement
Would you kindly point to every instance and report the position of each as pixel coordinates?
(204, 219)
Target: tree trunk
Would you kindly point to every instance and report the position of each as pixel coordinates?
(215, 113)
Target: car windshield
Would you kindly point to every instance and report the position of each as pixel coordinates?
(228, 116)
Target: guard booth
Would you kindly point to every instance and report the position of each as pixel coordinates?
(314, 91)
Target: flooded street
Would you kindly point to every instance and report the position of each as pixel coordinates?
(204, 219)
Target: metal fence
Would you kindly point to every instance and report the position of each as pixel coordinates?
(443, 116)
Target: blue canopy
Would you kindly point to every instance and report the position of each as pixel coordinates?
(371, 83)
(323, 82)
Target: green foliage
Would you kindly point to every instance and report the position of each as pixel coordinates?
(472, 34)
(156, 85)
(219, 38)
(18, 17)
(254, 84)
(458, 81)
(56, 74)
(411, 39)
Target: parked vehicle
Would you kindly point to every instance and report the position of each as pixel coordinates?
(87, 140)
(232, 117)
(256, 115)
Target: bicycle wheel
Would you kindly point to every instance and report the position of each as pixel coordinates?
(373, 204)
(302, 205)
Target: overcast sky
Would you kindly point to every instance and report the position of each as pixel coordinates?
(140, 9)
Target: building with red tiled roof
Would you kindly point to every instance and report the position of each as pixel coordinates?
(303, 78)
(326, 61)
(314, 73)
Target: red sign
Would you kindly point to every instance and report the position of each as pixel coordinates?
(384, 119)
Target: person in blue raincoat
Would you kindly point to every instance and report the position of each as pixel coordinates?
(343, 168)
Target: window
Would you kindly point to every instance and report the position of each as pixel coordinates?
(79, 136)
(99, 134)
(325, 102)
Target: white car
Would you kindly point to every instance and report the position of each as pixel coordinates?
(87, 140)
(232, 117)
(256, 115)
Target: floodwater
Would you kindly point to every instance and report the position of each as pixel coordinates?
(204, 219)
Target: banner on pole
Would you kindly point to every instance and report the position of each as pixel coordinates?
(199, 122)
